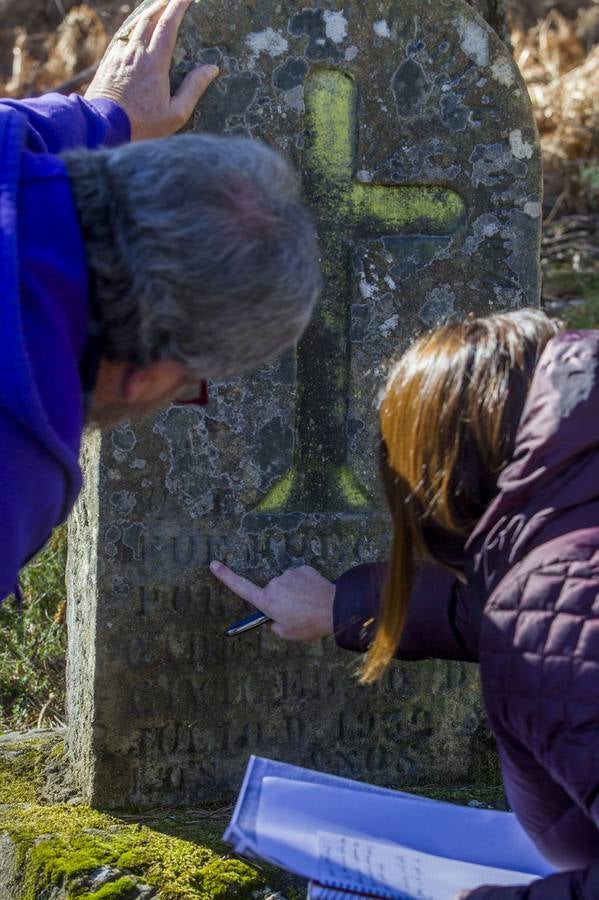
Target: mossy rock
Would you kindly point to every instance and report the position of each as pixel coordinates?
(20, 773)
(64, 850)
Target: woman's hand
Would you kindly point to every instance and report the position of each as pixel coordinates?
(299, 602)
(135, 73)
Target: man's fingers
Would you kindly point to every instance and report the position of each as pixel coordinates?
(240, 586)
(190, 90)
(165, 34)
(146, 23)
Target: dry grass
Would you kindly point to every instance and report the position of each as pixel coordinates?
(563, 81)
(51, 58)
(562, 74)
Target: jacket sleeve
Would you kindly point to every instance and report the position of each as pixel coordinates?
(438, 618)
(34, 498)
(56, 123)
(545, 697)
(582, 884)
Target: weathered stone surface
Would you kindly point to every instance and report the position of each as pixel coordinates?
(413, 132)
(495, 13)
(9, 871)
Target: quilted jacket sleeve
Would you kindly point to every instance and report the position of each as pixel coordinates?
(438, 620)
(540, 671)
(580, 885)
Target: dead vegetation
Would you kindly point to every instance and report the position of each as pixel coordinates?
(562, 73)
(559, 58)
(53, 44)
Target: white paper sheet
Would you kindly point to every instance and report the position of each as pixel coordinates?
(284, 813)
(394, 872)
(291, 814)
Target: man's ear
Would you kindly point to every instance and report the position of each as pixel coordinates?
(152, 382)
(135, 383)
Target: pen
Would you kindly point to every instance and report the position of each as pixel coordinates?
(247, 624)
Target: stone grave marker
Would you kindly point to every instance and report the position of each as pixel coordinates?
(413, 133)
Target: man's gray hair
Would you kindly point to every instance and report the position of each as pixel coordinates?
(199, 251)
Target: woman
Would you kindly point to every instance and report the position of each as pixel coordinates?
(490, 457)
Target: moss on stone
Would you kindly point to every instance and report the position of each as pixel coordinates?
(180, 854)
(60, 860)
(58, 845)
(224, 878)
(57, 751)
(21, 772)
(114, 890)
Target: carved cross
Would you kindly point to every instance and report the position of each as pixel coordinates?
(320, 478)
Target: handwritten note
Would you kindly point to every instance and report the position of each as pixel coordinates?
(392, 872)
(369, 867)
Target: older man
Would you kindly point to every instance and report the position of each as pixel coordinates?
(132, 272)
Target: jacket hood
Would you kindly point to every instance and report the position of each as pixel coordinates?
(552, 483)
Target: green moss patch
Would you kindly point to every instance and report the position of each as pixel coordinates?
(21, 767)
(59, 845)
(115, 890)
(181, 853)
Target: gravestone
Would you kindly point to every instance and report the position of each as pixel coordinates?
(495, 12)
(412, 130)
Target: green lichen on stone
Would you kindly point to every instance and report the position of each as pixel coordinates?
(331, 119)
(338, 485)
(277, 497)
(351, 490)
(408, 207)
(330, 99)
(20, 772)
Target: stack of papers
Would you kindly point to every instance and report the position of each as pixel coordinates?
(348, 838)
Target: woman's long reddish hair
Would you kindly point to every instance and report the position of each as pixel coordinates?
(448, 423)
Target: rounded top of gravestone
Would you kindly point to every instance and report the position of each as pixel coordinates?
(421, 67)
(419, 93)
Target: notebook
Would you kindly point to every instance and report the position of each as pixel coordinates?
(351, 838)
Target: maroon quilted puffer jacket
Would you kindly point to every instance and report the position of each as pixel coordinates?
(529, 613)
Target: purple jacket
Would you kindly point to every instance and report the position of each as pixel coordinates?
(43, 316)
(529, 613)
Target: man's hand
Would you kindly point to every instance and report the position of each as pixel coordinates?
(135, 73)
(299, 602)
